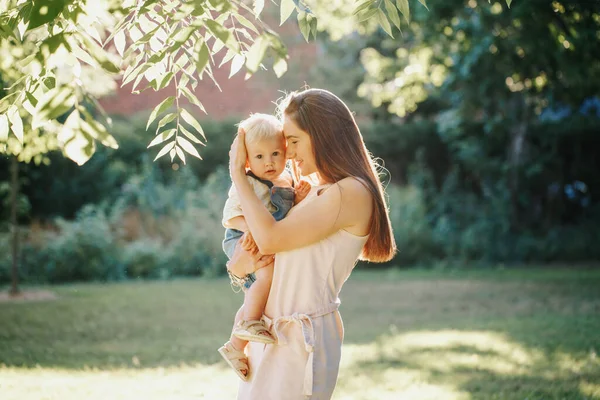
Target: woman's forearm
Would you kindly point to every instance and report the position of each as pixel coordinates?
(258, 218)
(244, 262)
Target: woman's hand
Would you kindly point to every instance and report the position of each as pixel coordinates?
(238, 155)
(244, 262)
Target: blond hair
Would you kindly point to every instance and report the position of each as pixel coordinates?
(261, 126)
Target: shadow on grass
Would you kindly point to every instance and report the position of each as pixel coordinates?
(469, 365)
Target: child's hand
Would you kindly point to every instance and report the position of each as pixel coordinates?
(247, 242)
(301, 191)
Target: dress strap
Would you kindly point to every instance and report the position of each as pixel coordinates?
(305, 320)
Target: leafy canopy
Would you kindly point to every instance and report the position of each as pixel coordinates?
(57, 57)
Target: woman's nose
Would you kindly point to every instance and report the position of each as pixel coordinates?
(290, 154)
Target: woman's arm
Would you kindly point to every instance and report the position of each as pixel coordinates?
(345, 205)
(245, 261)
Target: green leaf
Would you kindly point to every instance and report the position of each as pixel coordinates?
(190, 135)
(3, 128)
(280, 67)
(313, 27)
(98, 131)
(147, 4)
(363, 6)
(188, 147)
(31, 99)
(54, 42)
(53, 104)
(82, 55)
(304, 25)
(165, 120)
(137, 72)
(16, 124)
(287, 7)
(182, 36)
(165, 80)
(100, 55)
(508, 3)
(109, 66)
(256, 54)
(80, 148)
(367, 14)
(221, 6)
(392, 13)
(168, 147)
(187, 117)
(242, 20)
(219, 31)
(236, 64)
(4, 102)
(383, 21)
(424, 4)
(77, 144)
(192, 98)
(404, 8)
(228, 57)
(44, 11)
(203, 56)
(180, 153)
(120, 42)
(259, 5)
(50, 82)
(162, 137)
(159, 109)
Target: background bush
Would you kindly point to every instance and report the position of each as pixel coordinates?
(122, 216)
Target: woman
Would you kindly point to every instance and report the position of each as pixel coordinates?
(344, 218)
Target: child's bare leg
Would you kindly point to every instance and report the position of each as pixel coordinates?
(256, 297)
(238, 343)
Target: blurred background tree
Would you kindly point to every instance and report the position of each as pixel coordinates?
(511, 96)
(485, 117)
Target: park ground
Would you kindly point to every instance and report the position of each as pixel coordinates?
(420, 335)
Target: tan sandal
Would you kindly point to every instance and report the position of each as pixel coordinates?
(253, 331)
(234, 358)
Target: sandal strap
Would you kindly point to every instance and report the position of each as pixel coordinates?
(236, 356)
(254, 326)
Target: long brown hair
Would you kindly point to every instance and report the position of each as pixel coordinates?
(340, 152)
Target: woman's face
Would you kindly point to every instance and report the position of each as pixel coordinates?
(299, 147)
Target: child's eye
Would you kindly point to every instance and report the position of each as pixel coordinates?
(259, 156)
(276, 153)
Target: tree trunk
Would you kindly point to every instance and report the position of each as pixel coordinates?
(516, 155)
(14, 172)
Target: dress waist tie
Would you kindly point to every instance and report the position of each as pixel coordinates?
(305, 320)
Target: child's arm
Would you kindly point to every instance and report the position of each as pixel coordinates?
(302, 191)
(238, 223)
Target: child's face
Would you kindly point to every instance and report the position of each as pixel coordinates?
(266, 158)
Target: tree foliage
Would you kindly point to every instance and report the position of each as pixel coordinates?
(510, 102)
(59, 56)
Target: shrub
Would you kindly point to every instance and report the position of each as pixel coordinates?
(82, 250)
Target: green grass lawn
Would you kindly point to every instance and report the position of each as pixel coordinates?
(414, 335)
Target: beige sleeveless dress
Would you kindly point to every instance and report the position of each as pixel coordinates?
(302, 311)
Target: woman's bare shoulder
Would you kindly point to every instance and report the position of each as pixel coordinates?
(355, 186)
(353, 191)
